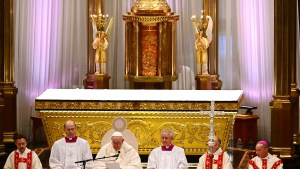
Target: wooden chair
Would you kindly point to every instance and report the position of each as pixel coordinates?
(44, 154)
(251, 154)
(240, 157)
(36, 122)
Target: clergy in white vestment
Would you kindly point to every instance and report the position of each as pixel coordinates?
(167, 156)
(70, 149)
(264, 160)
(119, 151)
(22, 158)
(221, 159)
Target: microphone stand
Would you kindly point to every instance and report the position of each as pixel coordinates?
(84, 162)
(116, 155)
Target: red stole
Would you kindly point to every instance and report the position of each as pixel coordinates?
(264, 164)
(219, 161)
(27, 160)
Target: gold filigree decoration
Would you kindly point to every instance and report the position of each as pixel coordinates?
(150, 5)
(170, 18)
(191, 128)
(149, 53)
(139, 128)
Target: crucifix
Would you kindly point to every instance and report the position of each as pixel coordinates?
(211, 136)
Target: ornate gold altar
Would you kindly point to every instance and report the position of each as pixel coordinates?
(147, 113)
(150, 45)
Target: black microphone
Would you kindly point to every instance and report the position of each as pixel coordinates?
(84, 161)
(104, 157)
(118, 154)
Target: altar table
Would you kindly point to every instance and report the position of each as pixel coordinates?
(147, 112)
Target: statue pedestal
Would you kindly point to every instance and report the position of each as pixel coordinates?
(97, 81)
(203, 82)
(101, 81)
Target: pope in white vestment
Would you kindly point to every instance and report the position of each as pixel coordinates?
(167, 156)
(125, 154)
(70, 149)
(264, 160)
(26, 160)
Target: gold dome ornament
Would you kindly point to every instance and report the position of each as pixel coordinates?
(150, 7)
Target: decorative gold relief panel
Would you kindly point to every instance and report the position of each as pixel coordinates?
(132, 105)
(191, 128)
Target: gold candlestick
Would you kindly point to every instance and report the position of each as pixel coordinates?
(100, 20)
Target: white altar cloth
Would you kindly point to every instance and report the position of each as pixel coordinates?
(141, 95)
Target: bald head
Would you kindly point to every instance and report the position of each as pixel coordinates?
(70, 128)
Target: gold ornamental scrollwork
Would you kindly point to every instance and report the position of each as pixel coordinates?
(82, 105)
(154, 5)
(139, 128)
(150, 18)
(191, 128)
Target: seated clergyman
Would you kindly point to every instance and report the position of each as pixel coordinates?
(220, 160)
(167, 156)
(70, 149)
(22, 157)
(264, 159)
(127, 156)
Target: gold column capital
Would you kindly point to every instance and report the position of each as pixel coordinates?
(279, 100)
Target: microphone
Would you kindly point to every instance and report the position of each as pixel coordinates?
(104, 157)
(83, 161)
(117, 155)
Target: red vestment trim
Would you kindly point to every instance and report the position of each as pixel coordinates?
(27, 160)
(251, 162)
(264, 163)
(276, 164)
(219, 161)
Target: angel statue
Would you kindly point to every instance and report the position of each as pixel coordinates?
(203, 34)
(100, 43)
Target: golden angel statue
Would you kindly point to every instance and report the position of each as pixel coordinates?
(203, 34)
(100, 43)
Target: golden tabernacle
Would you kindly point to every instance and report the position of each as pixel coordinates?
(150, 40)
(147, 112)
